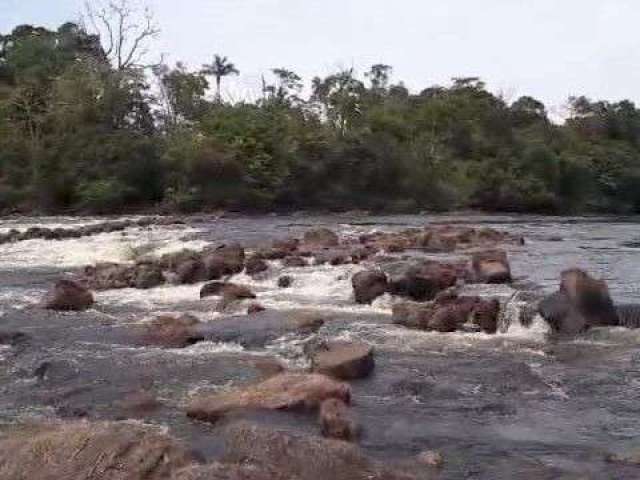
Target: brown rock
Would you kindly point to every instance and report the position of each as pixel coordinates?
(492, 266)
(320, 237)
(68, 295)
(344, 360)
(171, 332)
(85, 450)
(590, 297)
(294, 261)
(282, 392)
(230, 291)
(303, 457)
(229, 471)
(336, 420)
(256, 265)
(369, 285)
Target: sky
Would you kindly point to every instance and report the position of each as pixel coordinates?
(549, 49)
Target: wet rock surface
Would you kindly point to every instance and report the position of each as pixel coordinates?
(343, 360)
(68, 295)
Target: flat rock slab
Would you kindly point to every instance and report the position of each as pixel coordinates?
(281, 392)
(258, 329)
(100, 450)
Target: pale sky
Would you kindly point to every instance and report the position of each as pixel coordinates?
(549, 49)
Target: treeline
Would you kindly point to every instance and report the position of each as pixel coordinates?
(85, 127)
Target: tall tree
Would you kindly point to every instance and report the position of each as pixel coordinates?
(220, 67)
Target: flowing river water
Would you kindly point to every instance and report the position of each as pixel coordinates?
(518, 404)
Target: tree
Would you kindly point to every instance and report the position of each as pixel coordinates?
(220, 67)
(379, 75)
(124, 30)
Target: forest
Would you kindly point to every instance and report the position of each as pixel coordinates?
(87, 125)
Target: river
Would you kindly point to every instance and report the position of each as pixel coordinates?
(518, 404)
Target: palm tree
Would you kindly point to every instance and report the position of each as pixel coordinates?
(221, 67)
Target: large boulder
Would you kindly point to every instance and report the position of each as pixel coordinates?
(590, 297)
(303, 457)
(369, 285)
(68, 295)
(320, 238)
(343, 360)
(281, 392)
(580, 303)
(189, 271)
(86, 450)
(491, 266)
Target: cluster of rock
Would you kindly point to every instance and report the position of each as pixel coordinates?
(60, 233)
(125, 450)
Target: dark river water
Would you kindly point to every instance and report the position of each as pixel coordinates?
(518, 404)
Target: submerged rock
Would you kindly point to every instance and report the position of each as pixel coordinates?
(258, 329)
(87, 450)
(281, 392)
(294, 261)
(343, 360)
(68, 295)
(369, 285)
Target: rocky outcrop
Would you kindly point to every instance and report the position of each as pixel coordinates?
(491, 267)
(369, 285)
(303, 457)
(88, 450)
(449, 313)
(281, 392)
(343, 360)
(68, 295)
(580, 303)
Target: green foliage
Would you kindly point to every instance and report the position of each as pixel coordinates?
(78, 132)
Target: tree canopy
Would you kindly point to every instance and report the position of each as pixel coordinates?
(86, 126)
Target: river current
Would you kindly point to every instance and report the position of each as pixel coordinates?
(518, 404)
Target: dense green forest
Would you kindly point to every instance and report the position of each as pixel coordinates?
(85, 126)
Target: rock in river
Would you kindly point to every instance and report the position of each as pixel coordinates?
(68, 295)
(369, 285)
(281, 392)
(343, 360)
